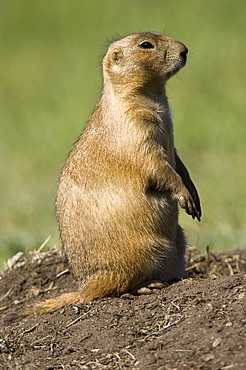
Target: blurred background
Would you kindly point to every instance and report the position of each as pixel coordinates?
(50, 82)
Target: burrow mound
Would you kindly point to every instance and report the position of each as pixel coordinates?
(197, 323)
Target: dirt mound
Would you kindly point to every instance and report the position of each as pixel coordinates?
(197, 323)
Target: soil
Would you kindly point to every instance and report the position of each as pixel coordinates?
(196, 323)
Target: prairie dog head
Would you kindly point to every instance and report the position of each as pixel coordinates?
(143, 60)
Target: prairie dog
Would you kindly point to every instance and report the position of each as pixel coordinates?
(117, 201)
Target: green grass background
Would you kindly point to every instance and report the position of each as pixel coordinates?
(50, 81)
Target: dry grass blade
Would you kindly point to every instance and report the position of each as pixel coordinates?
(6, 294)
(166, 326)
(39, 340)
(78, 318)
(6, 343)
(44, 244)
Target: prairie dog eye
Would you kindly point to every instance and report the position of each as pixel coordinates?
(146, 45)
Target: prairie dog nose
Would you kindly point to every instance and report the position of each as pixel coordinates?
(179, 48)
(183, 51)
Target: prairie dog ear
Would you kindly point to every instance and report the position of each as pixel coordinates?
(112, 59)
(116, 55)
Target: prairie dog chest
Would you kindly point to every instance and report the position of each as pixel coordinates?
(164, 133)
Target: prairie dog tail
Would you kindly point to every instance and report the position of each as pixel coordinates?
(52, 304)
(47, 306)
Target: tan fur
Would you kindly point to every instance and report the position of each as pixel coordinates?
(119, 190)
